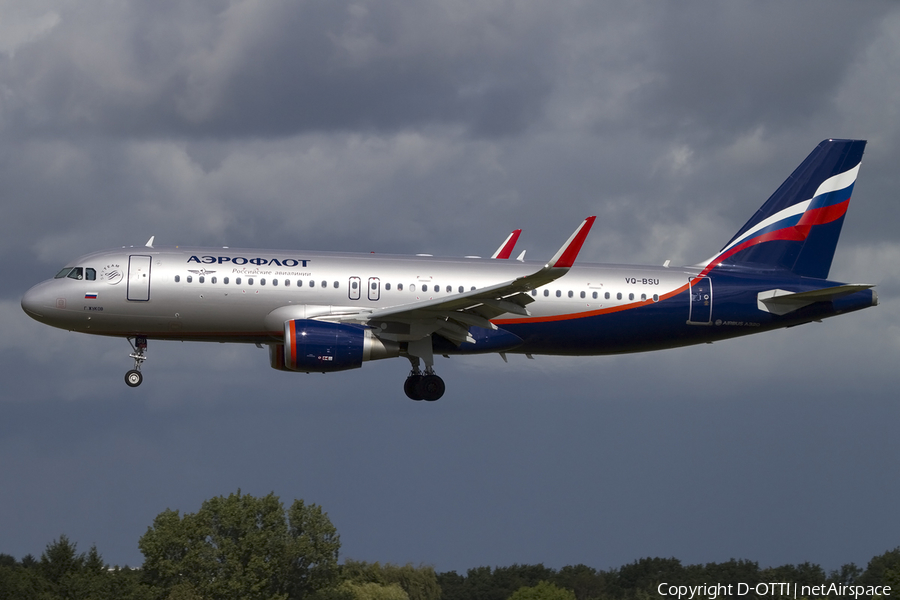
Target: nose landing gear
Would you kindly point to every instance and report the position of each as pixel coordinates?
(133, 378)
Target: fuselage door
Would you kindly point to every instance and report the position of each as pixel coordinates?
(701, 301)
(139, 278)
(355, 284)
(374, 288)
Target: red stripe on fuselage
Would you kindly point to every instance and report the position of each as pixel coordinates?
(590, 313)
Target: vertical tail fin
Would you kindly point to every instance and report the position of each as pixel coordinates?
(798, 227)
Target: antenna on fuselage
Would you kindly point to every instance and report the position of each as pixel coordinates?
(149, 243)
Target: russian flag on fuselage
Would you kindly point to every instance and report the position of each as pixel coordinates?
(798, 227)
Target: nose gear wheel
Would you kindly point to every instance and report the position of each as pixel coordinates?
(133, 378)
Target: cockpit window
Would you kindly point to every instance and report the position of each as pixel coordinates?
(63, 273)
(76, 273)
(90, 274)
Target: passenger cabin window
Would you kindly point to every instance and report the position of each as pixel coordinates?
(571, 293)
(594, 295)
(558, 294)
(190, 279)
(400, 287)
(178, 278)
(225, 281)
(606, 296)
(619, 296)
(336, 285)
(387, 287)
(546, 292)
(262, 281)
(237, 281)
(201, 279)
(312, 283)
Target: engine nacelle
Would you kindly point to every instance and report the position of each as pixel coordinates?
(321, 347)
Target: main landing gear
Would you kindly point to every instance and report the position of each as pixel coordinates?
(133, 378)
(423, 386)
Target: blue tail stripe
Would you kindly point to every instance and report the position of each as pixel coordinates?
(805, 251)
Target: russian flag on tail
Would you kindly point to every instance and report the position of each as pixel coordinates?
(798, 228)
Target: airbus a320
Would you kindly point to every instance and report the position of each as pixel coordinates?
(321, 312)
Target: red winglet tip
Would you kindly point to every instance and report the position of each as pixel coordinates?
(573, 247)
(507, 248)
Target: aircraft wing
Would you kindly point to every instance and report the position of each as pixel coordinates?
(452, 316)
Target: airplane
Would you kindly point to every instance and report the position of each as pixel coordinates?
(321, 312)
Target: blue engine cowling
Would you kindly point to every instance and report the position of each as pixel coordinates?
(320, 347)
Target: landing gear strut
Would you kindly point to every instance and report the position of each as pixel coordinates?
(423, 386)
(133, 378)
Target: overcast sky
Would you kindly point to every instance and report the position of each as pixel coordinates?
(438, 127)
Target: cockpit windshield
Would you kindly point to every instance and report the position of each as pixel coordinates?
(77, 273)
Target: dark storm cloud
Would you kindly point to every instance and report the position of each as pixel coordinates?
(281, 68)
(734, 67)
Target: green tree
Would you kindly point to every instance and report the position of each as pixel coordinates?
(878, 567)
(419, 583)
(242, 547)
(544, 590)
(313, 551)
(73, 575)
(62, 572)
(373, 591)
(586, 582)
(21, 583)
(646, 574)
(846, 575)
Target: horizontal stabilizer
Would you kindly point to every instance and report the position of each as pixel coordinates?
(781, 302)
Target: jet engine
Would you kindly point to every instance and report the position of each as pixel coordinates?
(321, 347)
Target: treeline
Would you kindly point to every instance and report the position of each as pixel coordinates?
(641, 579)
(245, 548)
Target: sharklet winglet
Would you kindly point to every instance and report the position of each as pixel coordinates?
(565, 256)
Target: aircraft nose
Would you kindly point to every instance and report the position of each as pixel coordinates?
(37, 300)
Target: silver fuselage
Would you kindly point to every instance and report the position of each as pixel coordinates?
(228, 295)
